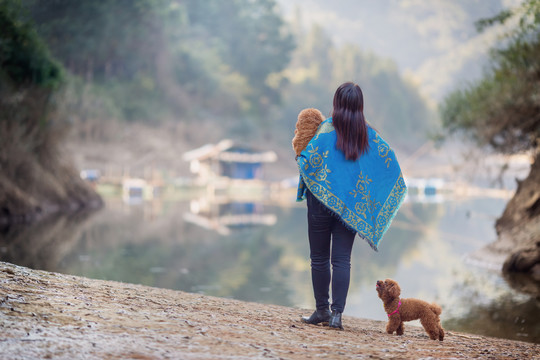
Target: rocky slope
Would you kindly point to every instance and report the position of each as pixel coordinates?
(518, 230)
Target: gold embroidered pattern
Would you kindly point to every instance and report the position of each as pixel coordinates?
(366, 206)
(355, 219)
(337, 206)
(383, 150)
(316, 161)
(361, 184)
(392, 202)
(365, 196)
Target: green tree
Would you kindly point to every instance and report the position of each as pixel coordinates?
(251, 37)
(502, 112)
(33, 179)
(24, 58)
(114, 46)
(170, 57)
(99, 39)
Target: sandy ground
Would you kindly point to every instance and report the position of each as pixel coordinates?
(53, 316)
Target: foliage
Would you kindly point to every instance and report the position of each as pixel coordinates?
(503, 109)
(235, 63)
(24, 58)
(528, 13)
(28, 77)
(149, 60)
(33, 179)
(251, 38)
(170, 56)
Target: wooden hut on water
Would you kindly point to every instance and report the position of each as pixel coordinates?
(226, 160)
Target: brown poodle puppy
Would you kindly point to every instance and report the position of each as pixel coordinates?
(306, 127)
(400, 310)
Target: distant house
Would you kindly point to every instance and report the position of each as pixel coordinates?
(225, 159)
(90, 175)
(133, 190)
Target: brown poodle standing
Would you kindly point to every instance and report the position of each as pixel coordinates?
(400, 310)
(306, 127)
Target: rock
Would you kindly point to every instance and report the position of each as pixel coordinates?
(523, 261)
(518, 231)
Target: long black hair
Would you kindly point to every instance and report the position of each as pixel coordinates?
(349, 121)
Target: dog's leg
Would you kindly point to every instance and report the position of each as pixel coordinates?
(431, 326)
(400, 329)
(441, 333)
(393, 324)
(433, 334)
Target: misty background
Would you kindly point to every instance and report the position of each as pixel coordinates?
(148, 81)
(187, 74)
(434, 45)
(128, 87)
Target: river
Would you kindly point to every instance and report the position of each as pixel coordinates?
(258, 251)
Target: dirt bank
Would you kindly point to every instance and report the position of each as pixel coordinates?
(49, 315)
(518, 231)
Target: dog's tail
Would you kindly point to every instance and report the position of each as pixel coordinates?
(435, 308)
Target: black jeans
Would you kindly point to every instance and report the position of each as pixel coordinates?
(330, 242)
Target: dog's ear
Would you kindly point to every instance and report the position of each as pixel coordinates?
(394, 289)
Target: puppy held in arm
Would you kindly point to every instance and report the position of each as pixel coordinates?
(400, 310)
(306, 127)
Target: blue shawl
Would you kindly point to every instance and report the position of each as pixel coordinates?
(365, 194)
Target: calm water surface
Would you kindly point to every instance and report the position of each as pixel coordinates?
(259, 252)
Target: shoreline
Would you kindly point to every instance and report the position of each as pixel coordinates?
(50, 315)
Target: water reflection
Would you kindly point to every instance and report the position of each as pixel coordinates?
(42, 245)
(485, 304)
(258, 251)
(224, 215)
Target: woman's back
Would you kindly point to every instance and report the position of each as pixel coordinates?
(352, 170)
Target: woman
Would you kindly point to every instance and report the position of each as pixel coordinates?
(353, 185)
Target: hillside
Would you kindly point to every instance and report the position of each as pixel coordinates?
(35, 179)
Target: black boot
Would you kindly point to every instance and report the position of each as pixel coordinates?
(335, 320)
(319, 316)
